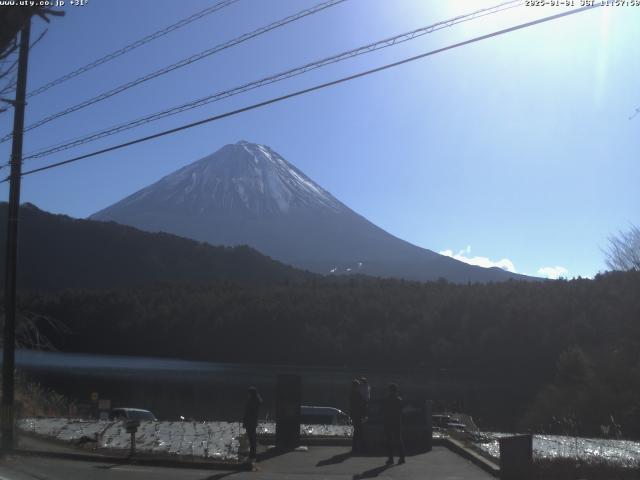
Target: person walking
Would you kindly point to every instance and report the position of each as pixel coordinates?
(392, 414)
(357, 407)
(250, 419)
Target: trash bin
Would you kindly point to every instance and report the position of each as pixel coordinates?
(516, 457)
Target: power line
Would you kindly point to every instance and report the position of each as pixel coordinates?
(182, 63)
(14, 64)
(11, 83)
(132, 46)
(308, 90)
(388, 42)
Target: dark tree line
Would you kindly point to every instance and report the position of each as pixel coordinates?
(577, 342)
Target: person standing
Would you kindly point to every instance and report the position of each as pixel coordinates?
(392, 412)
(365, 390)
(250, 419)
(357, 407)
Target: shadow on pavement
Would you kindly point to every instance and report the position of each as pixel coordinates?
(341, 457)
(218, 476)
(374, 472)
(107, 467)
(271, 453)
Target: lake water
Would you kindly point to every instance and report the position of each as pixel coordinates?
(201, 390)
(217, 391)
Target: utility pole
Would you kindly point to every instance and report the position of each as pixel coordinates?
(7, 419)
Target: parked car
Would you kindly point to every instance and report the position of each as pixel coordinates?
(323, 416)
(132, 414)
(445, 421)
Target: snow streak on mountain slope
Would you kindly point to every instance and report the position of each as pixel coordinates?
(248, 194)
(245, 179)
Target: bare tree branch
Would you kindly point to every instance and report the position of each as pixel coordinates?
(623, 252)
(28, 328)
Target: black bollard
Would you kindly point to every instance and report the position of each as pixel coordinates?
(288, 397)
(132, 450)
(132, 427)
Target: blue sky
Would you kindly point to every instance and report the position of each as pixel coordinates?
(516, 151)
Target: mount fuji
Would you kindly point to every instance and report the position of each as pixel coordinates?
(247, 194)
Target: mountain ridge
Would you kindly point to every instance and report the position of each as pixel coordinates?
(81, 253)
(246, 193)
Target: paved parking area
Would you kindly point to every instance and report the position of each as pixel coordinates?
(336, 463)
(318, 462)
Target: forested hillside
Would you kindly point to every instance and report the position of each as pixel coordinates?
(57, 251)
(580, 338)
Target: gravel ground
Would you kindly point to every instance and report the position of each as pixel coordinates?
(212, 440)
(619, 452)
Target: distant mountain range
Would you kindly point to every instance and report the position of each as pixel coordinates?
(56, 251)
(248, 194)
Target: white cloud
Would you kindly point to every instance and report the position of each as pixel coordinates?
(553, 272)
(505, 264)
(463, 256)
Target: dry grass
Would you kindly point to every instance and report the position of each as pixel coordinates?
(33, 400)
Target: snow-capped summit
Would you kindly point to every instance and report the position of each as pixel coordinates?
(244, 178)
(247, 193)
